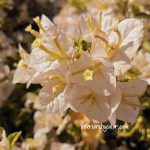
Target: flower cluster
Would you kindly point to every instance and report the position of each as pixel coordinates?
(89, 65)
(84, 68)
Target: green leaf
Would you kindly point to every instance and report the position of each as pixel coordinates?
(13, 138)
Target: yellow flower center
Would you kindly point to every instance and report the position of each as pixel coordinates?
(88, 74)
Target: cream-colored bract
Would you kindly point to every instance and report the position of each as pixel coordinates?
(4, 143)
(142, 63)
(129, 107)
(83, 66)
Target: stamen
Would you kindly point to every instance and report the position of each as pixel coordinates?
(119, 37)
(100, 33)
(37, 21)
(22, 64)
(103, 40)
(59, 46)
(33, 32)
(53, 54)
(110, 52)
(99, 18)
(90, 23)
(57, 78)
(57, 88)
(88, 74)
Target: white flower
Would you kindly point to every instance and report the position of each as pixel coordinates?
(52, 45)
(54, 83)
(130, 106)
(142, 64)
(79, 70)
(4, 143)
(93, 105)
(23, 72)
(103, 80)
(116, 41)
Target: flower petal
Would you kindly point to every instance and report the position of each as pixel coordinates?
(103, 82)
(46, 23)
(58, 104)
(132, 34)
(39, 60)
(121, 64)
(23, 75)
(115, 99)
(129, 109)
(133, 88)
(97, 109)
(108, 21)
